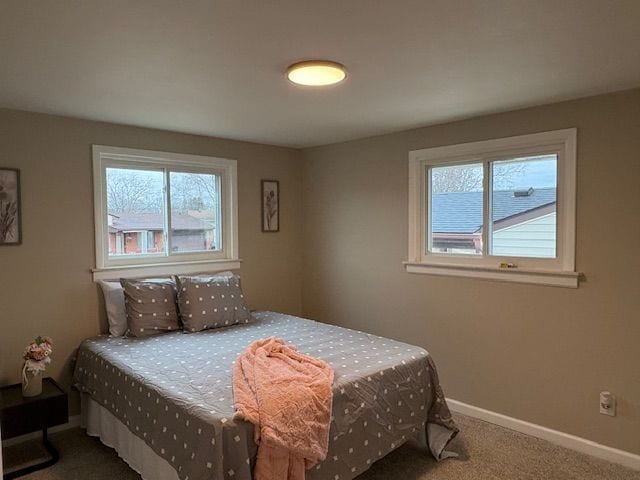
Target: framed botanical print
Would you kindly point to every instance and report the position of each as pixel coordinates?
(10, 221)
(270, 205)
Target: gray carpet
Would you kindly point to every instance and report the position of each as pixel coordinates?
(486, 452)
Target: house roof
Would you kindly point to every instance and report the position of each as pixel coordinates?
(155, 221)
(461, 212)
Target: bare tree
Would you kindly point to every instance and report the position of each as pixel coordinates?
(193, 191)
(468, 178)
(131, 191)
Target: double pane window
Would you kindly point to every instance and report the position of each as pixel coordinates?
(497, 208)
(139, 216)
(154, 208)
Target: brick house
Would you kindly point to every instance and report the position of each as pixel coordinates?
(140, 233)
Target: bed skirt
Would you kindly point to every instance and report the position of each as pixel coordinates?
(99, 422)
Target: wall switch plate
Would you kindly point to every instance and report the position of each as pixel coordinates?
(607, 404)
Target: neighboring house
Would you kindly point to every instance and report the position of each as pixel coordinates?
(524, 222)
(139, 233)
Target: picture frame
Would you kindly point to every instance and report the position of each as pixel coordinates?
(270, 199)
(10, 207)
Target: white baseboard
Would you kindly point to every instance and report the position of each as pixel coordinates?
(74, 421)
(566, 440)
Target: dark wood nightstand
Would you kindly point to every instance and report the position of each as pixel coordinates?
(21, 415)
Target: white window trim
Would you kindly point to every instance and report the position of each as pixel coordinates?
(185, 263)
(557, 272)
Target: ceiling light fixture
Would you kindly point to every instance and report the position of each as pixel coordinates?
(316, 73)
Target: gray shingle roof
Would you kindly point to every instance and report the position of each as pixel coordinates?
(461, 212)
(155, 221)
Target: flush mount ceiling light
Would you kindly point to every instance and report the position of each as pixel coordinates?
(316, 73)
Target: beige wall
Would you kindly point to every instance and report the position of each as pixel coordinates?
(45, 284)
(536, 353)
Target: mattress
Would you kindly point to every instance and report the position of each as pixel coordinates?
(174, 392)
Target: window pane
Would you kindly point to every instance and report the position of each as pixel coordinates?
(456, 209)
(524, 207)
(195, 212)
(135, 207)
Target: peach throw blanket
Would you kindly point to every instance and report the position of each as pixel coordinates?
(287, 396)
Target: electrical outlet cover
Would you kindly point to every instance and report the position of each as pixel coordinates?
(606, 399)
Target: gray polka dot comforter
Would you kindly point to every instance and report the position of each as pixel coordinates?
(174, 391)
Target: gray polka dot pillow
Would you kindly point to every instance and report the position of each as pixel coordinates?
(211, 302)
(150, 306)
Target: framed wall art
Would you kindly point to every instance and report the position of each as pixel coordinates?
(270, 205)
(10, 221)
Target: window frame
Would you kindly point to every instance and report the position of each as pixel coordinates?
(166, 263)
(559, 271)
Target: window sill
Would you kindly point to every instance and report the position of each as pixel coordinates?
(176, 268)
(516, 275)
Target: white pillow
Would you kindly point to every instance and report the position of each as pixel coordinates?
(114, 303)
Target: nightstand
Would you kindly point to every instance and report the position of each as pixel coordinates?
(21, 415)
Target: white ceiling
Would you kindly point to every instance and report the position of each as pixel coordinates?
(217, 67)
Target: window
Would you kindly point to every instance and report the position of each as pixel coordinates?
(163, 213)
(499, 209)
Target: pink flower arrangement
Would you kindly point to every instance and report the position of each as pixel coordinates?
(38, 354)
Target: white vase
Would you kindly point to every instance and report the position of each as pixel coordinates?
(31, 383)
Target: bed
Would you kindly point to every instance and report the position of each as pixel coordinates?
(166, 402)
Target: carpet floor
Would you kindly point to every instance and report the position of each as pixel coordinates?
(487, 452)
